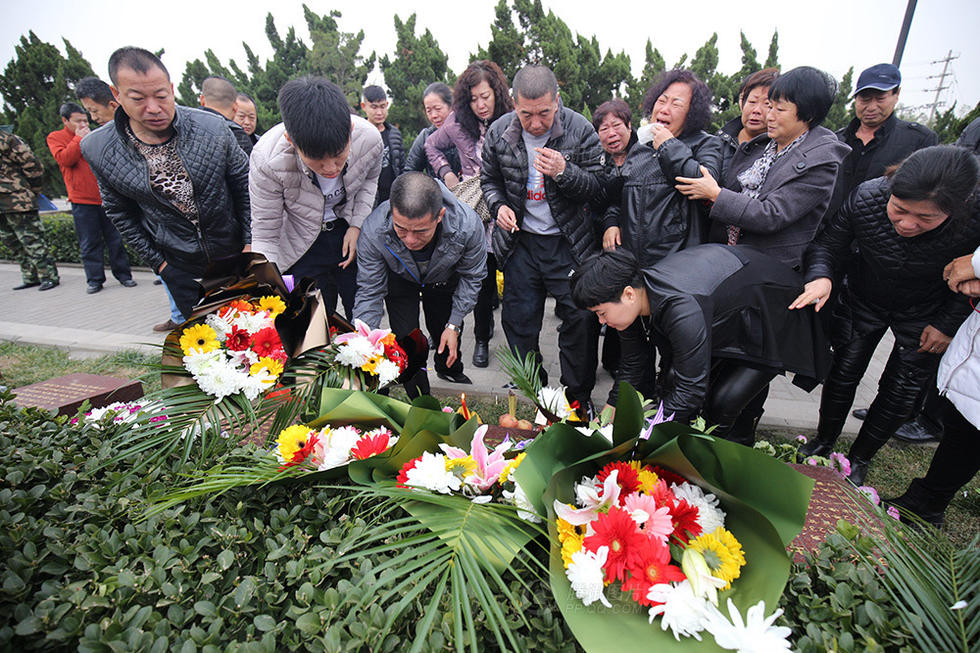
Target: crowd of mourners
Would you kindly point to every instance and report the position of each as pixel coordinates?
(705, 264)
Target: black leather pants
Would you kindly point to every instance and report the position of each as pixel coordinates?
(735, 388)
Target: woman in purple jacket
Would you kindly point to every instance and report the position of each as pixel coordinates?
(480, 98)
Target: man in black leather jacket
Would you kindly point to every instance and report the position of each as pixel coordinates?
(173, 180)
(540, 170)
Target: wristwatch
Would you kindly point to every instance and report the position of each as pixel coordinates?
(452, 327)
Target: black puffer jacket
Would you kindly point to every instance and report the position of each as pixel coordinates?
(901, 278)
(244, 141)
(504, 179)
(729, 143)
(153, 226)
(655, 219)
(397, 149)
(417, 160)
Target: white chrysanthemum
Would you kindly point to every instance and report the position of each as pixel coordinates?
(221, 381)
(252, 322)
(255, 384)
(679, 609)
(755, 635)
(430, 473)
(387, 372)
(355, 352)
(339, 443)
(203, 363)
(221, 326)
(710, 516)
(554, 400)
(525, 509)
(585, 574)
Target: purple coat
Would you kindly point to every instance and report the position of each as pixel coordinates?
(469, 148)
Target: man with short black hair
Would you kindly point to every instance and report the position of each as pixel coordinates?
(312, 182)
(374, 103)
(94, 230)
(422, 242)
(219, 96)
(540, 169)
(246, 115)
(174, 180)
(96, 96)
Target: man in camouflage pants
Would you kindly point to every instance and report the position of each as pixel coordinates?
(20, 226)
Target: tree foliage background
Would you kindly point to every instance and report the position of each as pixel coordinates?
(39, 78)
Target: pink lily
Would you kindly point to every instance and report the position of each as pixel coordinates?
(362, 329)
(488, 464)
(594, 504)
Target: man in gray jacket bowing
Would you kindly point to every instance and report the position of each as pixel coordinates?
(422, 242)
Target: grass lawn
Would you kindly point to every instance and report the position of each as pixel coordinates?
(890, 473)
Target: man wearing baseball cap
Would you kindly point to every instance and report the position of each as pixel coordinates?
(877, 138)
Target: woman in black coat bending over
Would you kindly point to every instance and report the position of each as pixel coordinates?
(907, 227)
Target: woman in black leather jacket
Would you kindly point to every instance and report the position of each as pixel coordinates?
(906, 227)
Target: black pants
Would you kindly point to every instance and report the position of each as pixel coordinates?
(857, 331)
(540, 266)
(735, 389)
(956, 461)
(183, 288)
(483, 312)
(96, 232)
(437, 305)
(322, 263)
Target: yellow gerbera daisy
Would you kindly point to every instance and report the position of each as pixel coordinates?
(199, 339)
(570, 545)
(722, 552)
(292, 439)
(273, 366)
(273, 304)
(509, 467)
(461, 466)
(371, 365)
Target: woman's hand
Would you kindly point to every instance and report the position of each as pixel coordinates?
(933, 341)
(815, 293)
(450, 180)
(611, 239)
(699, 188)
(661, 134)
(959, 270)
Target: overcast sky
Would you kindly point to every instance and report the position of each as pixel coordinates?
(832, 35)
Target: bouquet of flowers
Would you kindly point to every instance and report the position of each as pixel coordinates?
(369, 358)
(119, 413)
(236, 349)
(330, 446)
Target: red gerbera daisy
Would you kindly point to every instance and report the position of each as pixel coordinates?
(303, 453)
(266, 342)
(617, 530)
(397, 355)
(651, 568)
(667, 475)
(402, 479)
(685, 518)
(238, 340)
(371, 446)
(628, 478)
(663, 495)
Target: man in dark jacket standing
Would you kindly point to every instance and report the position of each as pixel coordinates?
(422, 242)
(174, 180)
(374, 102)
(877, 138)
(218, 96)
(540, 169)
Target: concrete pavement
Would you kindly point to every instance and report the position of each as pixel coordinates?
(121, 318)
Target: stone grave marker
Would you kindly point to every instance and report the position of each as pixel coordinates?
(64, 394)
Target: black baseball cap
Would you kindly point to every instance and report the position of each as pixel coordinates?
(881, 77)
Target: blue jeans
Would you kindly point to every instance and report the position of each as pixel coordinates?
(96, 232)
(175, 315)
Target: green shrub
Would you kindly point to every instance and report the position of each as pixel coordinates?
(59, 234)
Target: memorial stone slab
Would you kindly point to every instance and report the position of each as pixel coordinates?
(64, 394)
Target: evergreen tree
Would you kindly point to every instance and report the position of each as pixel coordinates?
(418, 61)
(772, 60)
(34, 84)
(336, 55)
(506, 46)
(839, 115)
(653, 65)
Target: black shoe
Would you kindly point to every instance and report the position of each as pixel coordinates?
(93, 288)
(27, 284)
(48, 285)
(860, 413)
(915, 432)
(459, 377)
(481, 354)
(859, 471)
(128, 283)
(157, 282)
(927, 506)
(815, 447)
(510, 385)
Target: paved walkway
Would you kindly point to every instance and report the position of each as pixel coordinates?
(122, 318)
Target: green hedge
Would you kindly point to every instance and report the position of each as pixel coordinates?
(59, 234)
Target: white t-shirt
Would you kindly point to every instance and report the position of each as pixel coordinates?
(537, 213)
(334, 193)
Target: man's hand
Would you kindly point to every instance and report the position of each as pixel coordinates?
(959, 270)
(549, 162)
(611, 239)
(661, 134)
(699, 188)
(349, 250)
(82, 130)
(449, 339)
(816, 292)
(247, 248)
(506, 219)
(160, 269)
(933, 341)
(970, 288)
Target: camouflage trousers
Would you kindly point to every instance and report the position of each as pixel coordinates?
(21, 232)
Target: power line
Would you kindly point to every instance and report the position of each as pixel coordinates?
(942, 79)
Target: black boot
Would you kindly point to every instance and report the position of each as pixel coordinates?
(818, 445)
(863, 450)
(859, 470)
(481, 354)
(927, 505)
